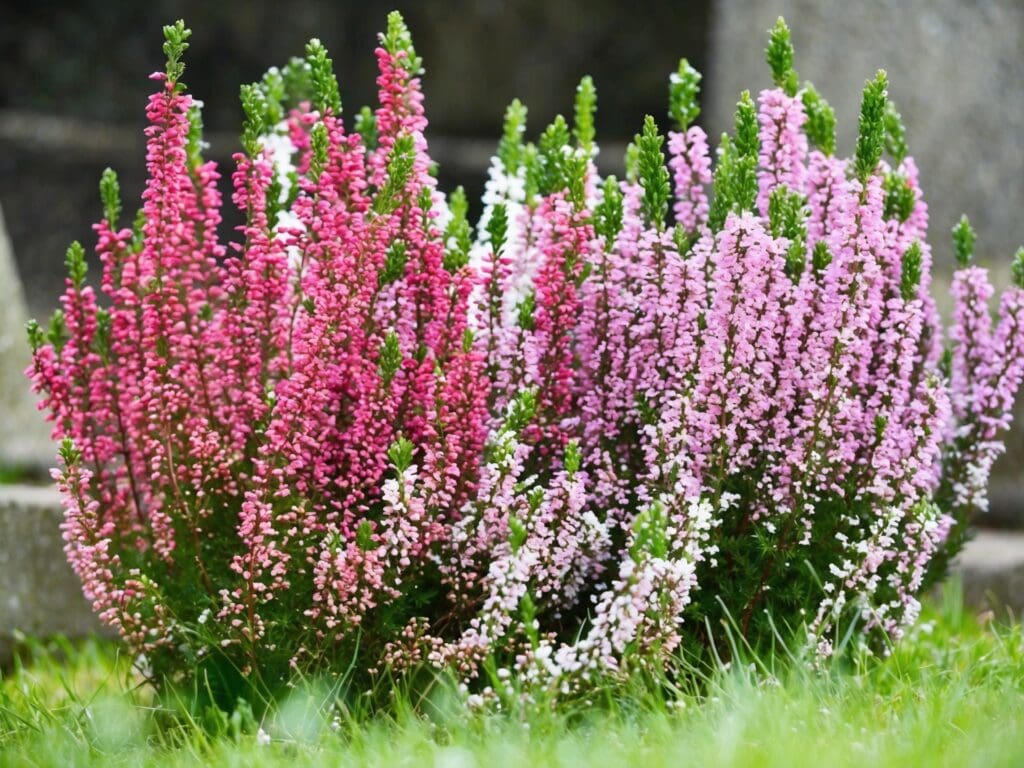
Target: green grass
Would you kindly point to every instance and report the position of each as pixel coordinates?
(12, 475)
(951, 694)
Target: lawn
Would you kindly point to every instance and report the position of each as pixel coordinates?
(951, 694)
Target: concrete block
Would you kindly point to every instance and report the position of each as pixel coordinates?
(39, 593)
(24, 436)
(991, 568)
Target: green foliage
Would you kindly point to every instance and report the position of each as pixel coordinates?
(176, 37)
(531, 172)
(398, 40)
(652, 173)
(584, 108)
(684, 239)
(821, 121)
(552, 165)
(401, 453)
(138, 224)
(458, 236)
(320, 143)
(723, 194)
(510, 148)
(400, 164)
(101, 340)
(649, 414)
(899, 196)
(683, 87)
(298, 81)
(366, 126)
(747, 140)
(390, 358)
(573, 457)
(895, 133)
(744, 181)
(36, 336)
(497, 227)
(528, 617)
(69, 454)
(871, 131)
(275, 92)
(553, 158)
(821, 257)
(576, 182)
(779, 55)
(394, 263)
(608, 216)
(735, 179)
(522, 410)
(945, 365)
(787, 214)
(74, 261)
(650, 534)
(425, 199)
(194, 144)
(1017, 268)
(110, 196)
(517, 533)
(910, 276)
(525, 311)
(255, 124)
(326, 96)
(364, 536)
(964, 238)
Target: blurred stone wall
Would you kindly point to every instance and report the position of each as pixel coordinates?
(24, 436)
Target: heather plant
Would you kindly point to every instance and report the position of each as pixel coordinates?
(617, 422)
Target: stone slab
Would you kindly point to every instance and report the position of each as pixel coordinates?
(991, 568)
(24, 436)
(39, 594)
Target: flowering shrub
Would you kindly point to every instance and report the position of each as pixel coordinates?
(361, 437)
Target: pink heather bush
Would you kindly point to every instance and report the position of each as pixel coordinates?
(358, 439)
